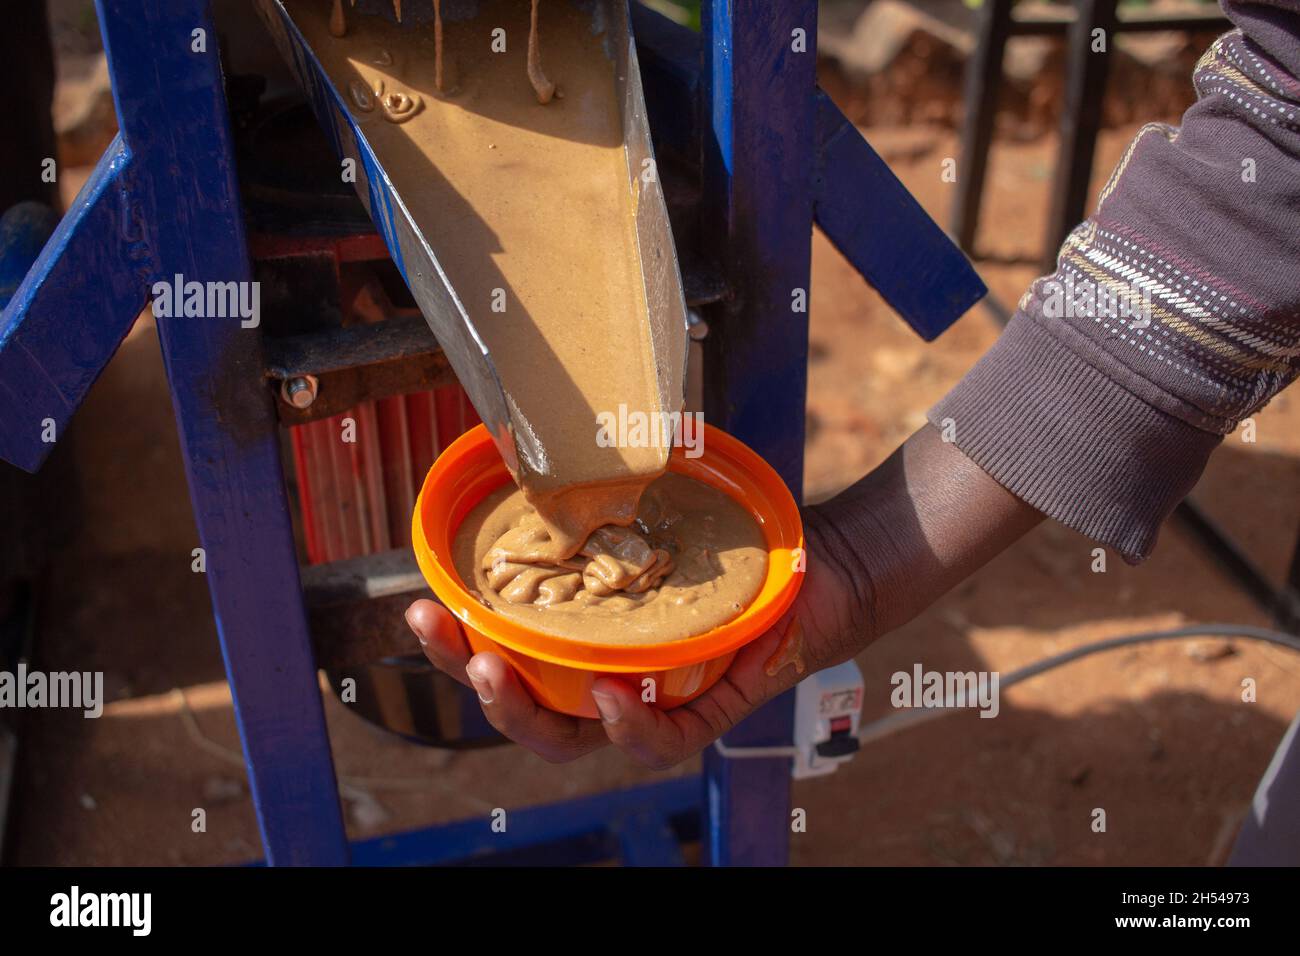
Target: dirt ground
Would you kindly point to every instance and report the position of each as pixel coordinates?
(1157, 735)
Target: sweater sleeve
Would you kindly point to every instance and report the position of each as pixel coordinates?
(1173, 313)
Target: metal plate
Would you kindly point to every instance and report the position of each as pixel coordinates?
(414, 252)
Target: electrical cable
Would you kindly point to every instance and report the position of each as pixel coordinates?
(911, 718)
(894, 723)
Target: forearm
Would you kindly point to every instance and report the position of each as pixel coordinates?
(1173, 313)
(913, 528)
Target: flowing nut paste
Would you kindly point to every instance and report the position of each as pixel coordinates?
(533, 203)
(526, 204)
(692, 560)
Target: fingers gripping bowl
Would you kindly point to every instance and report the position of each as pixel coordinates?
(559, 671)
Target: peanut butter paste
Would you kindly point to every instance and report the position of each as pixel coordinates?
(529, 210)
(520, 183)
(693, 559)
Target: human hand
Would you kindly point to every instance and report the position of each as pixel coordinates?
(877, 555)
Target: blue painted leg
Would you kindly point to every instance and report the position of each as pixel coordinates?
(175, 123)
(760, 86)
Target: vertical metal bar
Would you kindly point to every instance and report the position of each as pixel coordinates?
(348, 505)
(760, 108)
(980, 103)
(329, 500)
(306, 494)
(448, 414)
(645, 838)
(368, 459)
(424, 437)
(171, 105)
(1269, 835)
(1085, 89)
(399, 489)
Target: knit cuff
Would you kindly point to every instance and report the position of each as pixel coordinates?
(1071, 442)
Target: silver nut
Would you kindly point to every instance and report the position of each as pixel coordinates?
(696, 327)
(299, 391)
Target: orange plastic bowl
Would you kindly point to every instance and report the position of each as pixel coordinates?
(559, 671)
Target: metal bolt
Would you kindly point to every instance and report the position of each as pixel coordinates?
(696, 327)
(299, 391)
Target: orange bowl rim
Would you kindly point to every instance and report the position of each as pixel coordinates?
(726, 457)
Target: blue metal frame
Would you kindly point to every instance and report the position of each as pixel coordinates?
(857, 201)
(638, 826)
(24, 231)
(775, 154)
(187, 208)
(50, 355)
(759, 100)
